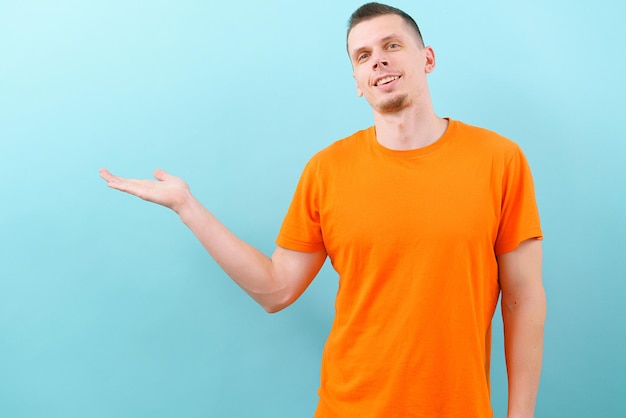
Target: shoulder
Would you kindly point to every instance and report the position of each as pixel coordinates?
(484, 140)
(482, 136)
(343, 149)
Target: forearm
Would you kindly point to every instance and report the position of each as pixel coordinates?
(273, 282)
(252, 270)
(524, 319)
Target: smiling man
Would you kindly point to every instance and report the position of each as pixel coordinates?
(427, 221)
(382, 78)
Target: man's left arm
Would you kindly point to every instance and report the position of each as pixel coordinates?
(523, 314)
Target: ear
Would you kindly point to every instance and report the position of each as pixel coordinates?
(429, 67)
(359, 93)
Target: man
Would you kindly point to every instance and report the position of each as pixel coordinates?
(425, 219)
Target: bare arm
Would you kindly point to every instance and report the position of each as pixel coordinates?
(273, 282)
(523, 313)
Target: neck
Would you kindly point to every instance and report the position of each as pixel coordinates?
(409, 128)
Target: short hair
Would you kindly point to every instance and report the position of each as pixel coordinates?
(371, 10)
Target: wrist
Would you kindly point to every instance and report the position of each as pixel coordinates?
(185, 206)
(521, 414)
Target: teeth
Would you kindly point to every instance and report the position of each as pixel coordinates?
(386, 80)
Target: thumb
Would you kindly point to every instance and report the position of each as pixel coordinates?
(160, 174)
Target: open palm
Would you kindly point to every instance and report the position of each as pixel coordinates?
(167, 190)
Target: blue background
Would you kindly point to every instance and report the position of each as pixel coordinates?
(108, 305)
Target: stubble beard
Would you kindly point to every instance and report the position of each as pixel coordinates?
(393, 104)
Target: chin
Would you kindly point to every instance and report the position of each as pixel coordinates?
(393, 104)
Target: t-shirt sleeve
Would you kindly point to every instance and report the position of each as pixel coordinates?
(301, 230)
(519, 219)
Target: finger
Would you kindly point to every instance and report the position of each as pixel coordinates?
(112, 180)
(106, 174)
(135, 187)
(160, 175)
(116, 182)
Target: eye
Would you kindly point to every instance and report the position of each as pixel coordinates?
(362, 56)
(393, 46)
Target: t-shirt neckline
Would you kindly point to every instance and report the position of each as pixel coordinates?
(413, 153)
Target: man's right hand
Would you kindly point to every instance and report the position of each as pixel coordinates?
(273, 282)
(167, 190)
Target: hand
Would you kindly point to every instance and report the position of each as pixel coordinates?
(169, 191)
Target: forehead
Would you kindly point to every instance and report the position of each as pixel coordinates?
(372, 31)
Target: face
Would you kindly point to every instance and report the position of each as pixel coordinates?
(390, 64)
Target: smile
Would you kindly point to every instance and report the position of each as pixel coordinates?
(386, 80)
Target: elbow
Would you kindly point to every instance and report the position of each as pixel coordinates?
(276, 302)
(276, 305)
(272, 309)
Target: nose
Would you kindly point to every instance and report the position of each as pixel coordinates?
(379, 61)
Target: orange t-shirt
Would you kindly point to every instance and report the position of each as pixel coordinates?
(414, 237)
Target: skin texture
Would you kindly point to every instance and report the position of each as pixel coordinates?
(274, 282)
(381, 47)
(403, 113)
(523, 314)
